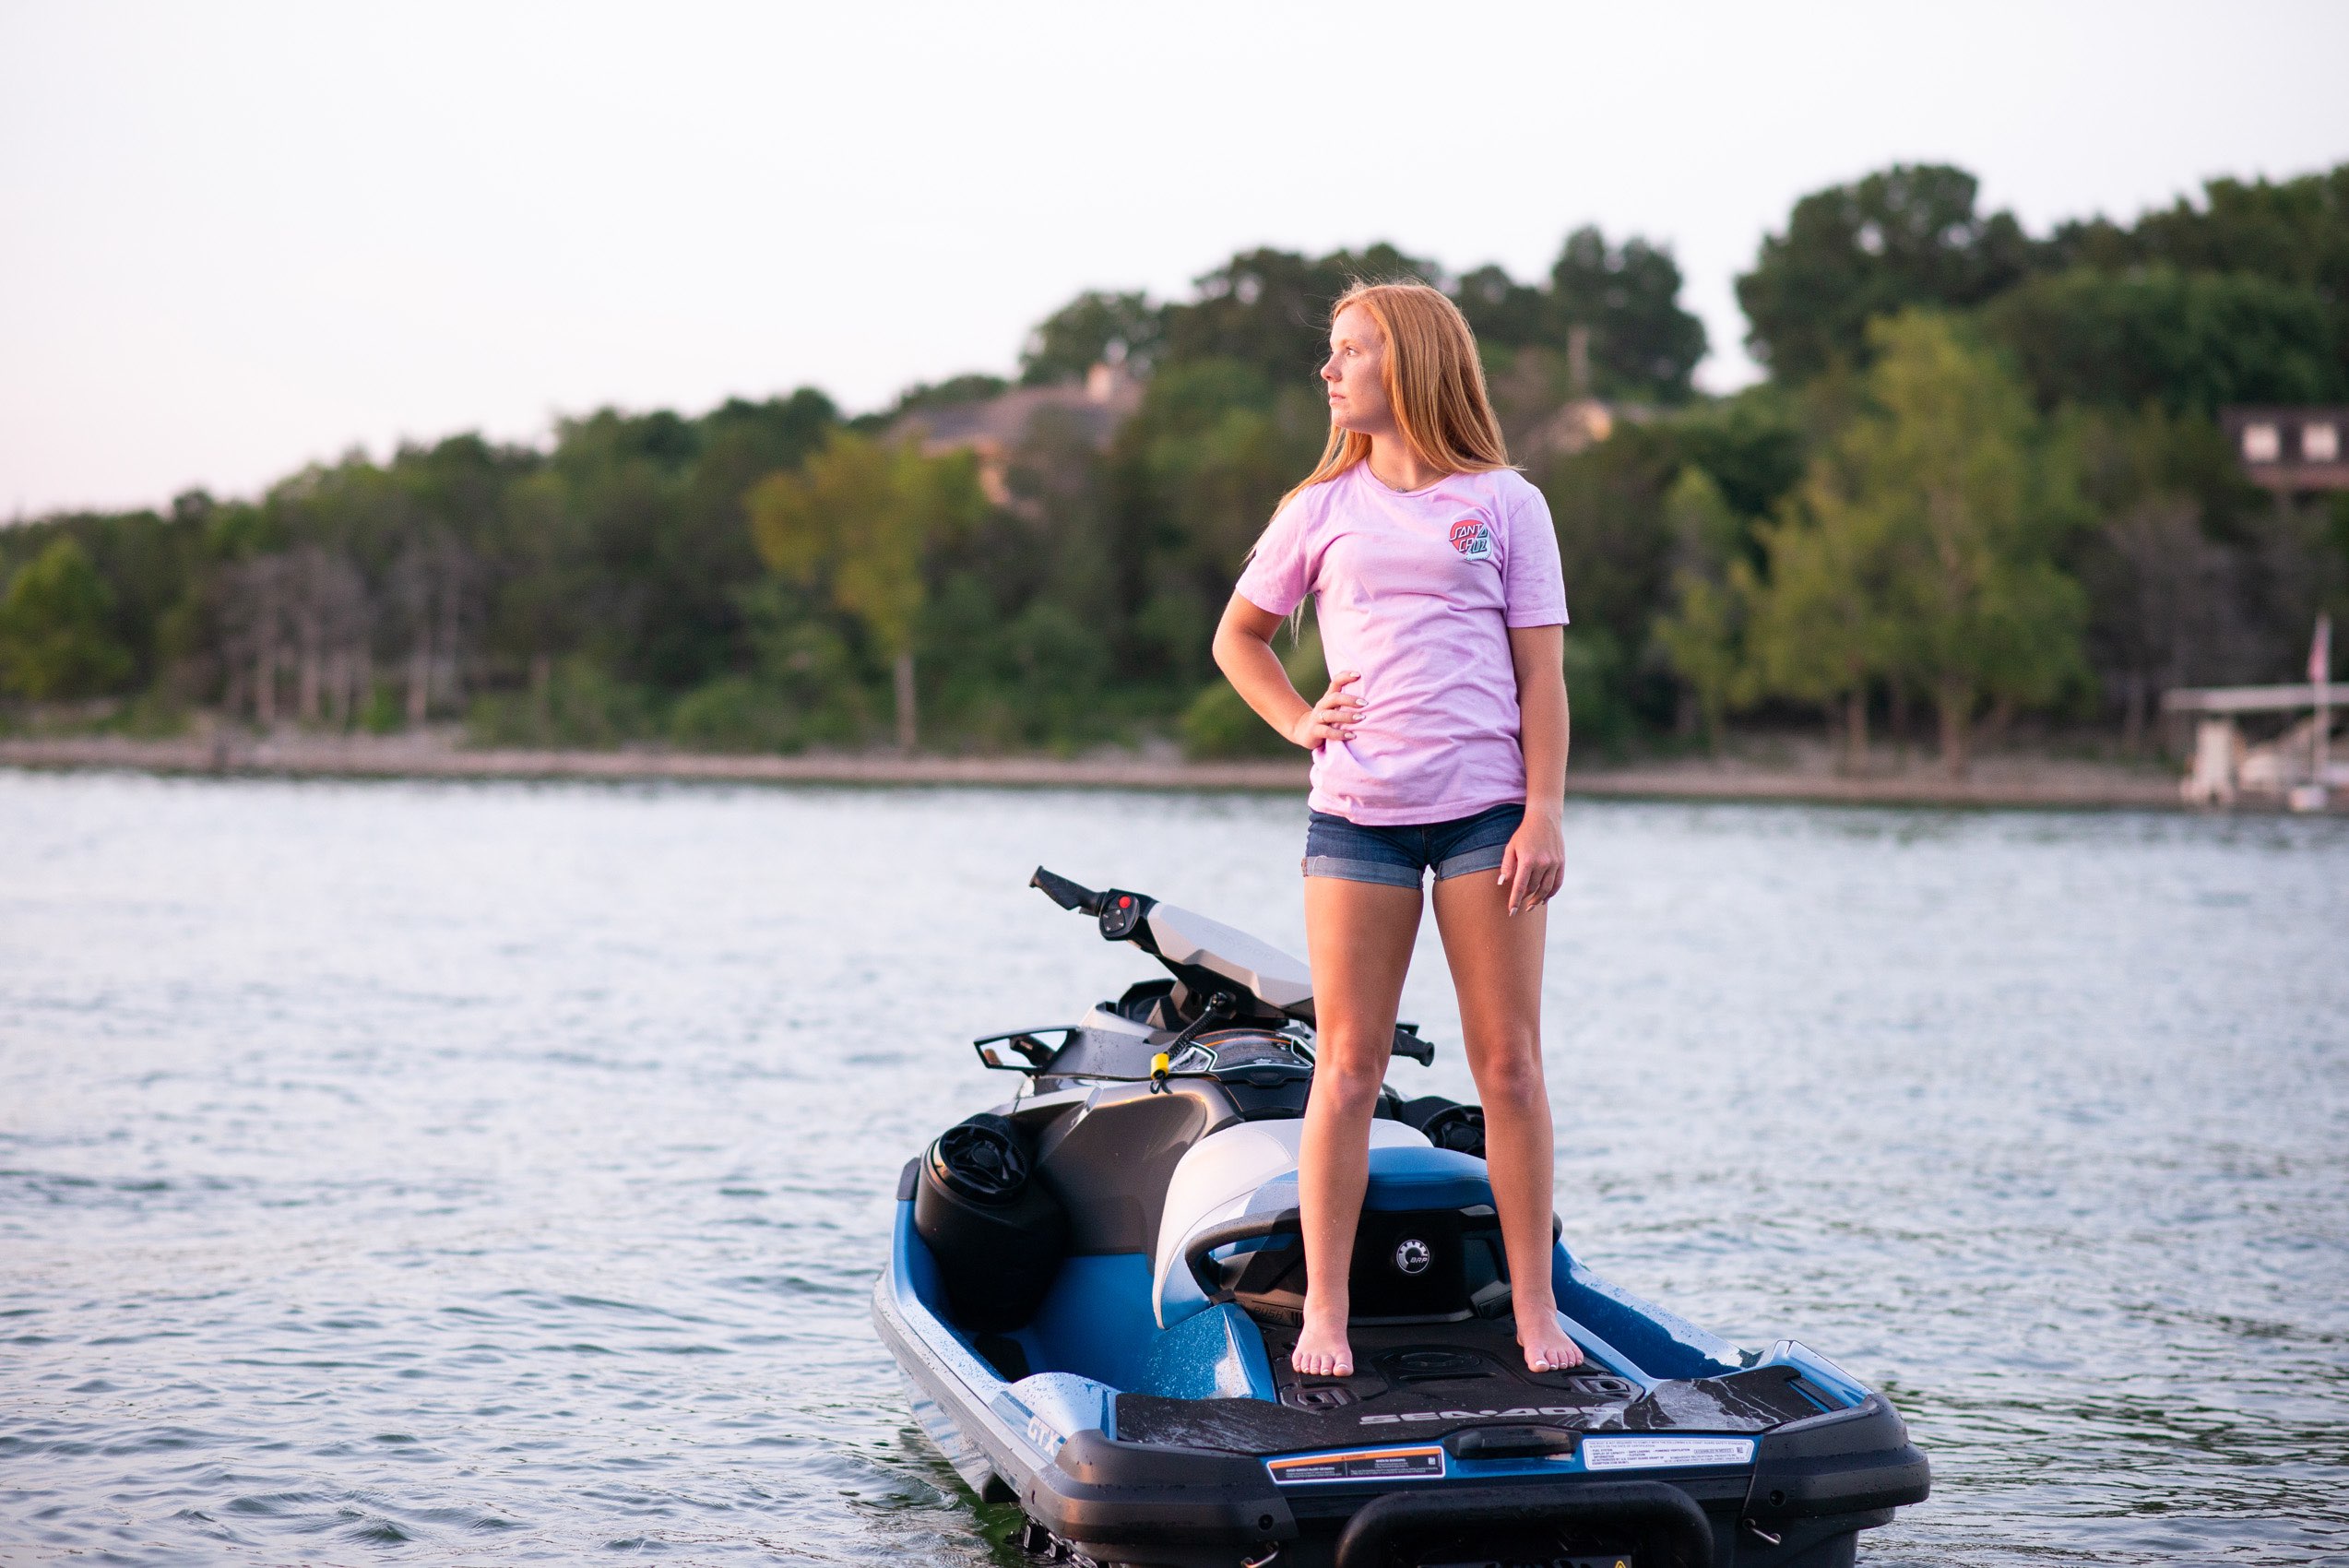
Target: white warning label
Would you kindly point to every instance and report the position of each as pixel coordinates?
(1656, 1452)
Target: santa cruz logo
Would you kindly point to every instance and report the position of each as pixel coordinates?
(1472, 539)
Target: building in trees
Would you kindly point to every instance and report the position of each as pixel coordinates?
(2291, 451)
(994, 429)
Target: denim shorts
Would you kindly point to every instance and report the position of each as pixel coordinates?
(1401, 856)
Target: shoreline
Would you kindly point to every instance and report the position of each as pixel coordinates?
(2004, 783)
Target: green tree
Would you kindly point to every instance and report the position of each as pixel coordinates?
(656, 571)
(1023, 634)
(2293, 231)
(1220, 724)
(1643, 344)
(1904, 236)
(972, 387)
(1927, 550)
(1196, 475)
(2190, 572)
(1502, 312)
(56, 639)
(858, 520)
(612, 588)
(2190, 341)
(1089, 329)
(1822, 629)
(1617, 550)
(1750, 445)
(1271, 309)
(1703, 633)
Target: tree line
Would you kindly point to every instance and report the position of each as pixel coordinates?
(1982, 484)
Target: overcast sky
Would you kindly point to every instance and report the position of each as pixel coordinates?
(242, 237)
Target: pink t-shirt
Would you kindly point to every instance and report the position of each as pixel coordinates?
(1417, 589)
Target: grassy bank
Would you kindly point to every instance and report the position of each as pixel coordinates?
(1788, 772)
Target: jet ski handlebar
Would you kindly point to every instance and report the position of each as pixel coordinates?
(1254, 981)
(1121, 913)
(1066, 893)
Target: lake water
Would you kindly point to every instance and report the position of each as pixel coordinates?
(402, 1173)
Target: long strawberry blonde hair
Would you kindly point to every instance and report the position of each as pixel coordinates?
(1434, 382)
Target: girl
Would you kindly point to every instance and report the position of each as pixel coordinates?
(1439, 744)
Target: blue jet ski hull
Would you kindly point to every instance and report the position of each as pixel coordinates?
(1774, 1492)
(1093, 1290)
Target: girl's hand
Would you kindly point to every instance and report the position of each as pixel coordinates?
(1332, 718)
(1534, 866)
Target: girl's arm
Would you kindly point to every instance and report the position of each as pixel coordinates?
(1535, 863)
(1244, 653)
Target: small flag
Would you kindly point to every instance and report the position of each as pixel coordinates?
(2320, 653)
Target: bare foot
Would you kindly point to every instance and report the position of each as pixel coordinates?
(1322, 1349)
(1546, 1345)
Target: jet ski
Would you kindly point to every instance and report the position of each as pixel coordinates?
(1093, 1289)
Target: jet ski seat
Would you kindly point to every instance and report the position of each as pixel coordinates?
(1248, 1172)
(1110, 1161)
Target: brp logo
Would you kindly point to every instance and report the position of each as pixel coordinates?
(1412, 1255)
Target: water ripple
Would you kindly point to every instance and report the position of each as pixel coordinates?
(498, 1172)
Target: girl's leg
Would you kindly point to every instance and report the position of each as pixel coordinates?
(1496, 961)
(1359, 936)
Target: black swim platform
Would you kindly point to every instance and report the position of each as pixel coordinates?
(1412, 1384)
